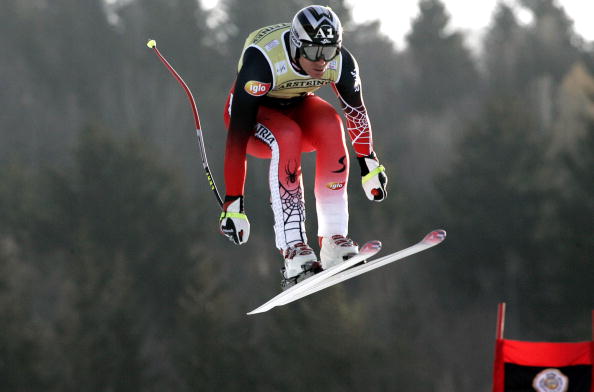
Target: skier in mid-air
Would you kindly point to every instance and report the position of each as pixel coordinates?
(271, 112)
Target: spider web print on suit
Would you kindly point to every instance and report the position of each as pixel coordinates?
(287, 205)
(358, 126)
(293, 214)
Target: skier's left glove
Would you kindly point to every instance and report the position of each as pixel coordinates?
(373, 177)
(233, 222)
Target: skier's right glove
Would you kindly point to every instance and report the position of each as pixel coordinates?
(373, 177)
(233, 222)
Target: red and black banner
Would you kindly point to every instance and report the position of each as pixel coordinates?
(542, 366)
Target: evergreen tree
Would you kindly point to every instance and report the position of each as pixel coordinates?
(124, 205)
(211, 341)
(100, 334)
(23, 340)
(574, 111)
(502, 52)
(118, 228)
(572, 258)
(551, 48)
(441, 70)
(565, 297)
(491, 200)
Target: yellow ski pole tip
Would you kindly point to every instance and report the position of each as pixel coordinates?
(151, 44)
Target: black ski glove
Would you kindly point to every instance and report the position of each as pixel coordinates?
(233, 222)
(373, 177)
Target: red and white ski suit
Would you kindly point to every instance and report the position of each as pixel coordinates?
(281, 129)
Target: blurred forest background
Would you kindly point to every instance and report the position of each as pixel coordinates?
(114, 276)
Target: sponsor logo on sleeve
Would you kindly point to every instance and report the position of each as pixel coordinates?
(257, 89)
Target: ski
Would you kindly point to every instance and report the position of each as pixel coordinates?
(430, 240)
(369, 249)
(351, 268)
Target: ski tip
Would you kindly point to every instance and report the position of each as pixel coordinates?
(371, 245)
(435, 237)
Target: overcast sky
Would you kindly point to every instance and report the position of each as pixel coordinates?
(469, 16)
(465, 15)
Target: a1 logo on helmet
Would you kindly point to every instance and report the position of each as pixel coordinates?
(325, 31)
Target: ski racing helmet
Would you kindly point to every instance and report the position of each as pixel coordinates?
(316, 33)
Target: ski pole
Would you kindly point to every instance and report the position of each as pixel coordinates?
(153, 45)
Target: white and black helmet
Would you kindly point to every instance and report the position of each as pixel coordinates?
(318, 27)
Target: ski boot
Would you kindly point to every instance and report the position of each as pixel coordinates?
(336, 249)
(300, 264)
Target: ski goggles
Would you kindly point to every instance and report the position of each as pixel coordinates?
(314, 52)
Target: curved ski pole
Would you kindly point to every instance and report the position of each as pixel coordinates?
(153, 45)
